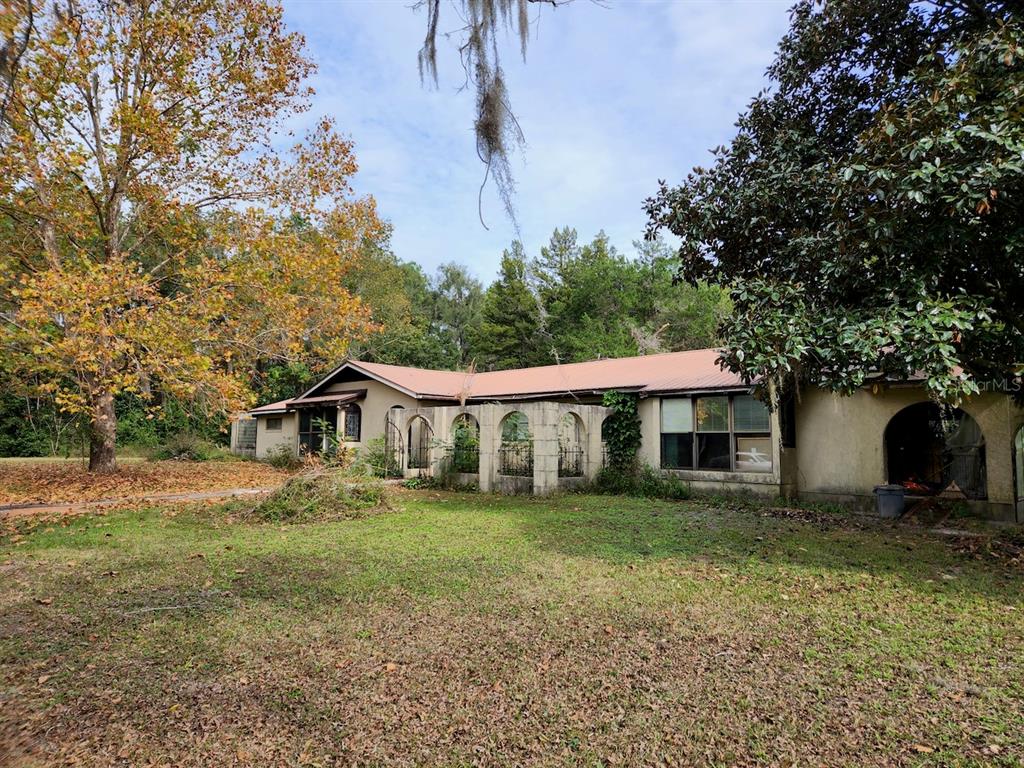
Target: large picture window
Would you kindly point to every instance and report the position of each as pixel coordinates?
(725, 433)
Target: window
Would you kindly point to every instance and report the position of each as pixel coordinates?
(714, 445)
(752, 425)
(677, 433)
(353, 423)
(274, 424)
(722, 433)
(314, 425)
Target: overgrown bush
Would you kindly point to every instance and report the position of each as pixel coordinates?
(378, 459)
(186, 446)
(283, 457)
(331, 494)
(645, 482)
(621, 431)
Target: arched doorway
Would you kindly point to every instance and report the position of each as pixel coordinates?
(515, 455)
(927, 448)
(570, 446)
(464, 451)
(420, 436)
(394, 444)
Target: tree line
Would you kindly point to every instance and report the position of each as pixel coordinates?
(569, 302)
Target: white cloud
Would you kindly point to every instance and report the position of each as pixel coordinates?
(610, 99)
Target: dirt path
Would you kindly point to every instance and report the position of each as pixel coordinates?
(48, 508)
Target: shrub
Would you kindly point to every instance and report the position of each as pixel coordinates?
(189, 447)
(378, 460)
(621, 430)
(321, 495)
(645, 482)
(283, 457)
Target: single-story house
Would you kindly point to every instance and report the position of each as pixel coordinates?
(538, 429)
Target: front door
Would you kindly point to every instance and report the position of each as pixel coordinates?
(1018, 474)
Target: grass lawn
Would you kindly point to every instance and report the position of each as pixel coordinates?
(481, 630)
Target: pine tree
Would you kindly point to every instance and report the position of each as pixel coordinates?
(512, 332)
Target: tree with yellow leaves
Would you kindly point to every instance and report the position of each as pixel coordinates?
(153, 233)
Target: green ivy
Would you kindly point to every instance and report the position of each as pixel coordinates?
(621, 431)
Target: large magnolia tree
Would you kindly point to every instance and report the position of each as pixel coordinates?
(869, 214)
(154, 234)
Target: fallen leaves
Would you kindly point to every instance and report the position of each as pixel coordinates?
(31, 482)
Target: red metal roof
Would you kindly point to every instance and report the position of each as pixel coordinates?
(694, 370)
(672, 371)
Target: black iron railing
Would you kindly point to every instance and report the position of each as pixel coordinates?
(464, 458)
(516, 459)
(570, 461)
(419, 456)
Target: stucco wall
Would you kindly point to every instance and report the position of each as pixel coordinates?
(267, 441)
(544, 420)
(379, 399)
(841, 450)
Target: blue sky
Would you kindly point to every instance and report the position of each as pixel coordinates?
(611, 98)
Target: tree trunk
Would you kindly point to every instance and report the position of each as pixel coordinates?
(103, 435)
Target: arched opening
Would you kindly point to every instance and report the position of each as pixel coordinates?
(605, 430)
(515, 456)
(420, 434)
(571, 435)
(464, 452)
(928, 449)
(394, 446)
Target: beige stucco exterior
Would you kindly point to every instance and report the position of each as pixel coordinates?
(269, 441)
(544, 419)
(841, 450)
(380, 398)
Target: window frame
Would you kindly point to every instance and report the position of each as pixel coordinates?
(274, 423)
(694, 435)
(316, 414)
(346, 436)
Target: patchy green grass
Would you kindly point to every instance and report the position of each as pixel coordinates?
(473, 629)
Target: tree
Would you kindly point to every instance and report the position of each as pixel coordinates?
(593, 301)
(403, 306)
(511, 332)
(679, 315)
(153, 237)
(17, 20)
(457, 299)
(548, 269)
(868, 214)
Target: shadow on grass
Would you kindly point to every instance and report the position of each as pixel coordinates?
(632, 530)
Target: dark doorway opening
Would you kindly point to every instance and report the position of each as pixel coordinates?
(928, 447)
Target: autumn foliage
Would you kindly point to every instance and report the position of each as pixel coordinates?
(162, 230)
